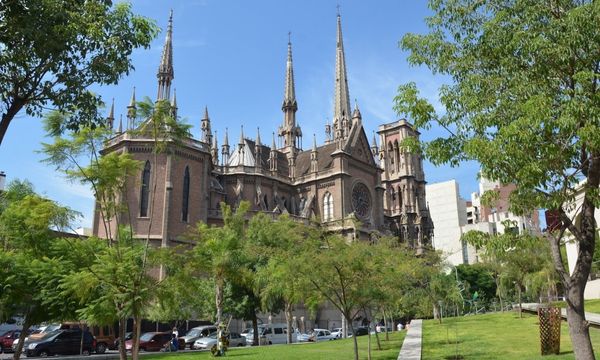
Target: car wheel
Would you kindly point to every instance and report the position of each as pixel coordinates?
(44, 353)
(85, 352)
(270, 343)
(101, 348)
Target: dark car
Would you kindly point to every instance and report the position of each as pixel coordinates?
(7, 339)
(361, 330)
(154, 341)
(61, 342)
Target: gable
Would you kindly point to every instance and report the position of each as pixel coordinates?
(358, 146)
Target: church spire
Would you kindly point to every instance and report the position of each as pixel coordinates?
(165, 73)
(131, 111)
(341, 107)
(205, 125)
(289, 130)
(225, 149)
(110, 119)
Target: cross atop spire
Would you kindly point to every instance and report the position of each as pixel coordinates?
(165, 73)
(341, 107)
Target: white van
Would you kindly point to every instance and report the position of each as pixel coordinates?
(272, 334)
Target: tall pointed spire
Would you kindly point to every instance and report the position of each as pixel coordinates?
(165, 73)
(341, 107)
(289, 131)
(214, 150)
(174, 103)
(131, 111)
(120, 128)
(205, 125)
(110, 119)
(225, 149)
(258, 143)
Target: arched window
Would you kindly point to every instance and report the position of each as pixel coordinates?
(327, 207)
(145, 190)
(185, 201)
(400, 202)
(390, 155)
(397, 155)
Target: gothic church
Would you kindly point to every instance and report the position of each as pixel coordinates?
(338, 182)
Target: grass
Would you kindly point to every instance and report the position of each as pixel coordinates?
(592, 306)
(325, 350)
(493, 336)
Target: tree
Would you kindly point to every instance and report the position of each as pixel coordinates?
(339, 272)
(522, 100)
(218, 251)
(52, 51)
(278, 243)
(30, 270)
(480, 279)
(77, 156)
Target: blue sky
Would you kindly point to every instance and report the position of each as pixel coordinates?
(230, 55)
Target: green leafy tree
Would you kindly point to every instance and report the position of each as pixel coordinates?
(77, 155)
(278, 242)
(52, 51)
(31, 269)
(522, 99)
(337, 271)
(480, 279)
(219, 251)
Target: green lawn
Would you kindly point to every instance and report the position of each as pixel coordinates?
(326, 350)
(492, 336)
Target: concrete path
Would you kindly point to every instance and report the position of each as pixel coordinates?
(592, 318)
(411, 347)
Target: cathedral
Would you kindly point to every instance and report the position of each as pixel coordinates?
(353, 187)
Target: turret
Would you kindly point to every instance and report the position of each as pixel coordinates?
(214, 150)
(341, 103)
(314, 159)
(165, 73)
(225, 149)
(273, 156)
(258, 152)
(110, 119)
(205, 125)
(289, 131)
(131, 111)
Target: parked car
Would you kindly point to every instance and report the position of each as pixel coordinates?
(336, 333)
(197, 333)
(154, 341)
(36, 334)
(302, 337)
(7, 339)
(247, 331)
(209, 341)
(272, 334)
(321, 335)
(361, 330)
(61, 342)
(128, 336)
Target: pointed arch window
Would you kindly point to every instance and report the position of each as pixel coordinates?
(145, 190)
(185, 201)
(327, 207)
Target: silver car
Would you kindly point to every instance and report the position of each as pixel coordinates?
(206, 343)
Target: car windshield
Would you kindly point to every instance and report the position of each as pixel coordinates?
(51, 328)
(6, 333)
(212, 335)
(146, 336)
(50, 334)
(194, 332)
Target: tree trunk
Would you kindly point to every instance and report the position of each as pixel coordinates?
(9, 115)
(137, 327)
(255, 331)
(520, 301)
(288, 321)
(376, 337)
(385, 323)
(349, 321)
(578, 327)
(369, 343)
(26, 325)
(122, 331)
(219, 301)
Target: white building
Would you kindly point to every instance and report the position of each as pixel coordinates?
(449, 215)
(453, 216)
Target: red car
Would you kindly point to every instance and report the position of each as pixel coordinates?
(154, 341)
(7, 339)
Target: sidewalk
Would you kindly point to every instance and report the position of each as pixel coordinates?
(592, 318)
(411, 347)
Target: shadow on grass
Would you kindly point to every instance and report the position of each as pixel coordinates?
(454, 357)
